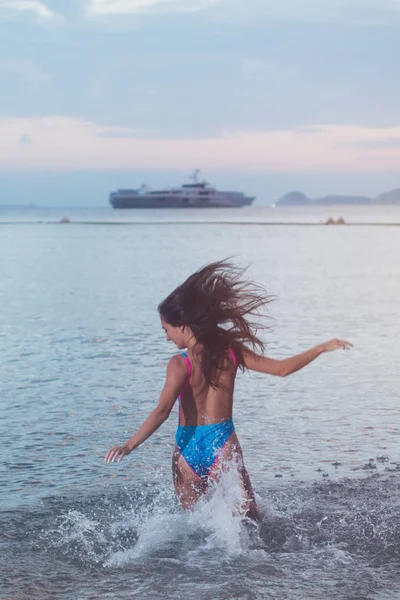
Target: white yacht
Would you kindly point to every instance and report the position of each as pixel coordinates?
(198, 194)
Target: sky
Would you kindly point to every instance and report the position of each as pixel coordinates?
(262, 96)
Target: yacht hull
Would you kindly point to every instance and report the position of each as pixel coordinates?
(120, 200)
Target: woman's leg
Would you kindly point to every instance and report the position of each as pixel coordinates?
(188, 486)
(231, 453)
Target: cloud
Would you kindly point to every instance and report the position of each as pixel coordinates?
(314, 10)
(382, 144)
(124, 133)
(39, 8)
(65, 144)
(26, 140)
(107, 7)
(325, 10)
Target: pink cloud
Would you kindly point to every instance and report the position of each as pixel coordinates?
(64, 143)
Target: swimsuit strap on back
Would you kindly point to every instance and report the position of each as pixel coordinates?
(233, 357)
(188, 363)
(190, 369)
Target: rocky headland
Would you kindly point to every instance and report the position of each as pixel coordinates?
(300, 199)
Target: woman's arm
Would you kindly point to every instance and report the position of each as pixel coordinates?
(176, 375)
(287, 366)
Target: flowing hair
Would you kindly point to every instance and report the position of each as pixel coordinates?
(216, 302)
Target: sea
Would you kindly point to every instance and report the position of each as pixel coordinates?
(83, 360)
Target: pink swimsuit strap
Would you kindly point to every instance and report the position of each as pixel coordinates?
(233, 357)
(190, 369)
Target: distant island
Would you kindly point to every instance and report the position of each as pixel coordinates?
(300, 199)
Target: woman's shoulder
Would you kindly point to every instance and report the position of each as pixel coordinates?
(180, 363)
(176, 368)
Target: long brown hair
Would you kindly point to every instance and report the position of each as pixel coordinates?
(216, 303)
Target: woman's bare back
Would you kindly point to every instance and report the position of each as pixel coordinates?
(202, 404)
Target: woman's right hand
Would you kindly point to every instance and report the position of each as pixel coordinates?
(117, 453)
(336, 344)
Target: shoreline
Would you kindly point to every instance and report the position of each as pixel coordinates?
(258, 223)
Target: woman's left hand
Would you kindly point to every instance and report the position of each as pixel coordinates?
(117, 453)
(336, 345)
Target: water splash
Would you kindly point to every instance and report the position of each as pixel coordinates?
(220, 514)
(81, 535)
(213, 525)
(344, 536)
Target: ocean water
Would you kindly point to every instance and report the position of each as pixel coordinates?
(83, 362)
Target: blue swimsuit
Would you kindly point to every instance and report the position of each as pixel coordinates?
(201, 445)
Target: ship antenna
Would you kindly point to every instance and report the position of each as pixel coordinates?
(195, 175)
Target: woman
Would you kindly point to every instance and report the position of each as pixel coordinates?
(209, 316)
